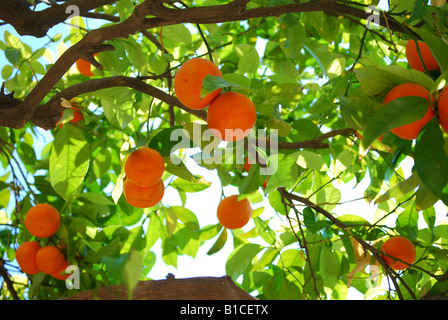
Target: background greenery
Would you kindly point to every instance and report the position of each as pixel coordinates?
(308, 73)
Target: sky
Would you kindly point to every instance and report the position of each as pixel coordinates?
(204, 205)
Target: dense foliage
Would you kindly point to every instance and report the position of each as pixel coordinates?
(317, 74)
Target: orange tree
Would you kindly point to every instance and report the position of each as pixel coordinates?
(317, 73)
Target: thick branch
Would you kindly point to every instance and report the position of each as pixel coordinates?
(93, 41)
(44, 119)
(9, 284)
(37, 23)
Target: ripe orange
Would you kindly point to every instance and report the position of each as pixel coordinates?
(231, 116)
(77, 116)
(50, 259)
(42, 220)
(143, 197)
(26, 257)
(234, 214)
(61, 274)
(144, 167)
(84, 67)
(188, 83)
(442, 104)
(400, 248)
(410, 131)
(414, 59)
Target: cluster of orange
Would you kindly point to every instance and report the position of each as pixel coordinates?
(230, 115)
(143, 187)
(411, 131)
(42, 221)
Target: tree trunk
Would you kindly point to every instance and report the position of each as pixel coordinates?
(200, 288)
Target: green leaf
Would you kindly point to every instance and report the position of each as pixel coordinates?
(118, 104)
(13, 55)
(329, 267)
(431, 161)
(249, 58)
(187, 217)
(69, 161)
(177, 33)
(186, 186)
(200, 135)
(400, 189)
(241, 258)
(178, 169)
(131, 271)
(283, 171)
(219, 243)
(394, 114)
(418, 11)
(212, 83)
(275, 200)
(310, 160)
(311, 222)
(169, 140)
(407, 222)
(101, 161)
(96, 198)
(169, 251)
(171, 220)
(7, 71)
(264, 231)
(377, 81)
(424, 198)
(187, 240)
(357, 111)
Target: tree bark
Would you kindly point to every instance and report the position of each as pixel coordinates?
(199, 288)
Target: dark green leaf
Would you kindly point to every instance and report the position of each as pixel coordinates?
(69, 161)
(396, 113)
(212, 83)
(431, 161)
(169, 140)
(220, 242)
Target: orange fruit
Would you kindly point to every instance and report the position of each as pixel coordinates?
(410, 131)
(143, 197)
(84, 67)
(400, 248)
(77, 116)
(61, 274)
(50, 259)
(144, 167)
(234, 214)
(231, 116)
(42, 220)
(414, 60)
(442, 104)
(26, 257)
(188, 83)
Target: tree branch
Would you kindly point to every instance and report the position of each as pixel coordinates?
(93, 40)
(9, 284)
(37, 23)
